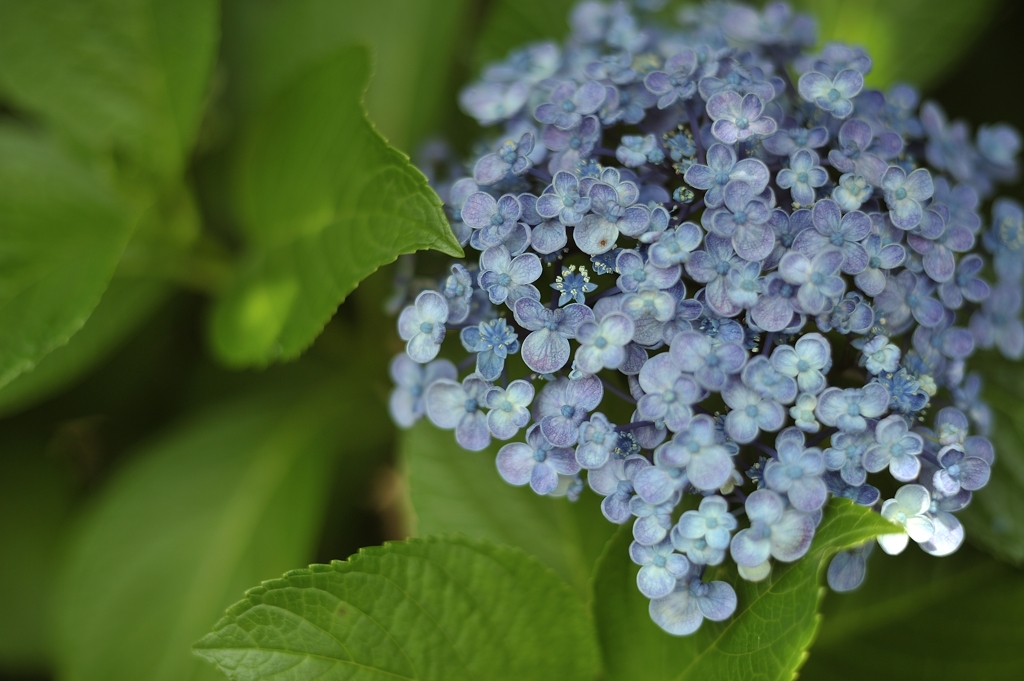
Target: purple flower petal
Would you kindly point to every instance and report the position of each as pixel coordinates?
(515, 463)
(545, 351)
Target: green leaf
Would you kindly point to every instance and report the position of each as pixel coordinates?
(921, 617)
(217, 504)
(267, 43)
(36, 495)
(63, 230)
(436, 608)
(123, 307)
(453, 490)
(995, 517)
(942, 30)
(766, 638)
(511, 24)
(325, 202)
(123, 77)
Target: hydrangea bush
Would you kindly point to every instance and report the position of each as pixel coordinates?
(774, 272)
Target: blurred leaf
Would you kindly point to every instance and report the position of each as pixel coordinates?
(766, 638)
(35, 497)
(453, 490)
(325, 202)
(160, 252)
(921, 617)
(995, 516)
(211, 507)
(440, 608)
(117, 76)
(268, 43)
(510, 24)
(941, 31)
(124, 305)
(64, 231)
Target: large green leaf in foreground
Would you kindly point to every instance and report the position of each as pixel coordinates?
(765, 639)
(442, 609)
(214, 506)
(63, 231)
(453, 490)
(324, 202)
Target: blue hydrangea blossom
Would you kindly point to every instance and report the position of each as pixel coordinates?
(537, 462)
(696, 223)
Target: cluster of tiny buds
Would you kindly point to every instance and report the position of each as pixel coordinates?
(775, 274)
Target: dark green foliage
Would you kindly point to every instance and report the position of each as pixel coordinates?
(924, 618)
(192, 186)
(453, 490)
(995, 518)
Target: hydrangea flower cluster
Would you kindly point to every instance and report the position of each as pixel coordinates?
(718, 280)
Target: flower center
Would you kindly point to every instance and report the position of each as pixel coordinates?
(470, 405)
(742, 123)
(568, 410)
(539, 455)
(901, 194)
(426, 327)
(600, 342)
(833, 95)
(751, 410)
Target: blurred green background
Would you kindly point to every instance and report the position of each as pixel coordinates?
(151, 469)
